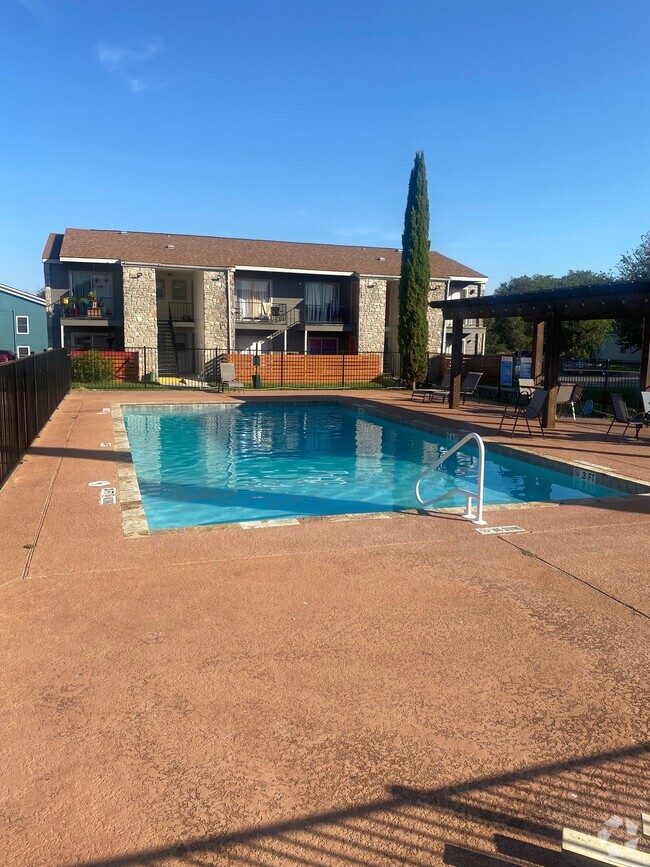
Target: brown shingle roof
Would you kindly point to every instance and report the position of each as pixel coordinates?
(199, 250)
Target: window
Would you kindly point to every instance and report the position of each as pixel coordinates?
(84, 282)
(322, 302)
(323, 345)
(160, 288)
(179, 290)
(22, 351)
(22, 324)
(254, 299)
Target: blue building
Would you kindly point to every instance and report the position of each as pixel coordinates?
(23, 322)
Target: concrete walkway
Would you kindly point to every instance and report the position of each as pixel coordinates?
(394, 691)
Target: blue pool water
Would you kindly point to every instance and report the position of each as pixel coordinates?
(213, 465)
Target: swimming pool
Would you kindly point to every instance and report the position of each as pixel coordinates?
(216, 464)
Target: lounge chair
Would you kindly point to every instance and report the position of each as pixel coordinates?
(442, 389)
(532, 410)
(469, 386)
(228, 378)
(622, 415)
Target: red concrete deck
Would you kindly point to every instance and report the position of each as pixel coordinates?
(399, 691)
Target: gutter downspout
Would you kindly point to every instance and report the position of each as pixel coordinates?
(228, 325)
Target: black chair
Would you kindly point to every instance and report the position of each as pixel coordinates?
(532, 410)
(622, 416)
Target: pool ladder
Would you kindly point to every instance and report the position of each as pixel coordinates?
(469, 496)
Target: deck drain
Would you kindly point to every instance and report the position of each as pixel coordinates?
(104, 411)
(107, 497)
(101, 484)
(498, 531)
(105, 445)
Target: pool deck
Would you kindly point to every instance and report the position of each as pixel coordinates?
(374, 691)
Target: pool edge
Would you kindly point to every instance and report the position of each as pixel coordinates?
(134, 521)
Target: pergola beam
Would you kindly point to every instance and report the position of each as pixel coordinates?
(606, 301)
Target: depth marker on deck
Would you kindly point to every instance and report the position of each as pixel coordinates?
(499, 531)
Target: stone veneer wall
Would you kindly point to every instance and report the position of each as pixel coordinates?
(211, 286)
(140, 315)
(434, 317)
(372, 314)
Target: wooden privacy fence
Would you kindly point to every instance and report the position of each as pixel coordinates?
(488, 365)
(31, 388)
(125, 364)
(282, 369)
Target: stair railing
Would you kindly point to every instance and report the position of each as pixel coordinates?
(475, 518)
(173, 336)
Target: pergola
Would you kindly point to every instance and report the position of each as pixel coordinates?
(547, 310)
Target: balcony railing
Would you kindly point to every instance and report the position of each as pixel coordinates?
(181, 311)
(72, 307)
(308, 314)
(318, 314)
(260, 311)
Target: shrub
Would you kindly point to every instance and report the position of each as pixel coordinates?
(92, 366)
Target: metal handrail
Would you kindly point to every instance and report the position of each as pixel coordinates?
(469, 496)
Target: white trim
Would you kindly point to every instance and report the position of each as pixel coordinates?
(18, 348)
(483, 280)
(294, 270)
(86, 261)
(380, 276)
(22, 316)
(168, 267)
(27, 296)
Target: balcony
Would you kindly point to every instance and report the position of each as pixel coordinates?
(322, 314)
(71, 307)
(181, 311)
(262, 311)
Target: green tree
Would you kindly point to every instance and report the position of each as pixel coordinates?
(580, 338)
(633, 266)
(414, 279)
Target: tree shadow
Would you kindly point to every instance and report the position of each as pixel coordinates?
(413, 826)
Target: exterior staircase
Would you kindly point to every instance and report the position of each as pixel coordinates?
(293, 318)
(167, 357)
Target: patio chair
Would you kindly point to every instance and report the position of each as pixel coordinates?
(469, 386)
(565, 398)
(532, 410)
(228, 378)
(622, 415)
(442, 389)
(526, 387)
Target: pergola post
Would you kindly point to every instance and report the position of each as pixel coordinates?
(644, 380)
(538, 350)
(456, 362)
(552, 370)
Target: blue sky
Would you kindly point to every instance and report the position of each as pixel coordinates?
(299, 121)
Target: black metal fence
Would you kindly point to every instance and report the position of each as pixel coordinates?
(622, 377)
(31, 388)
(157, 367)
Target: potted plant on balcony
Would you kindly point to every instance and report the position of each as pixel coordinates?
(94, 311)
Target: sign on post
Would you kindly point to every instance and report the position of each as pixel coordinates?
(525, 368)
(505, 376)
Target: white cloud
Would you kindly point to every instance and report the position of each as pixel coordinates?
(126, 63)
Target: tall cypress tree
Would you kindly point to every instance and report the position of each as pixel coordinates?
(414, 279)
